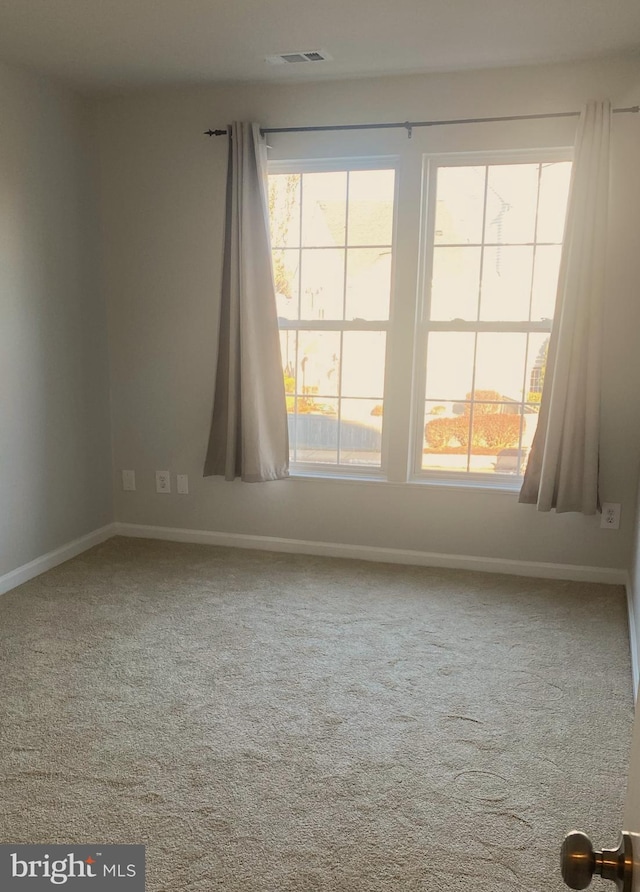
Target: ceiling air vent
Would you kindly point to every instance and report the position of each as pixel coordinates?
(307, 56)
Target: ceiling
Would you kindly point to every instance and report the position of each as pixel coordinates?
(105, 44)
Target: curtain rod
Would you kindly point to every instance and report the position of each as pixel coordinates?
(409, 125)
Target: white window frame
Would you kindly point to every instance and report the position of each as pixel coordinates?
(424, 325)
(321, 165)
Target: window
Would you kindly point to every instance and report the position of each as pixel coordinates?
(494, 237)
(465, 408)
(332, 240)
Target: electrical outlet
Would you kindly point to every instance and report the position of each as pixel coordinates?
(163, 481)
(182, 482)
(129, 481)
(610, 519)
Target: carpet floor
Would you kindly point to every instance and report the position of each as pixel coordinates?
(281, 723)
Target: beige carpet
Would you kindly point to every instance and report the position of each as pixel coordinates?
(270, 722)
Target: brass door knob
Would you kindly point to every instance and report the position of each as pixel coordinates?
(579, 862)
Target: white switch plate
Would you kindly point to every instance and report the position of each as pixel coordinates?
(183, 484)
(163, 481)
(610, 519)
(129, 481)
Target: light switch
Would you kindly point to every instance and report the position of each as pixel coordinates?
(129, 481)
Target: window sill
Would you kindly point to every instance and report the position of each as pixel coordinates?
(505, 486)
(341, 475)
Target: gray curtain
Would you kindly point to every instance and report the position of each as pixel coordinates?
(562, 471)
(249, 437)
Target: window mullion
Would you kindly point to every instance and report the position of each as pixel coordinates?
(401, 388)
(295, 402)
(344, 316)
(300, 254)
(472, 397)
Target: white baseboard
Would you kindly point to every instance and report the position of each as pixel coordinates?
(53, 558)
(633, 638)
(538, 569)
(381, 555)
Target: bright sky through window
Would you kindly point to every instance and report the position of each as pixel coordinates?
(495, 254)
(470, 396)
(331, 234)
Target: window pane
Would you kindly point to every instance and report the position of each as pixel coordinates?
(313, 434)
(536, 367)
(552, 205)
(506, 283)
(530, 423)
(483, 388)
(446, 436)
(545, 281)
(512, 461)
(322, 283)
(459, 205)
(286, 280)
(360, 432)
(363, 355)
(495, 437)
(334, 379)
(324, 208)
(288, 340)
(284, 209)
(501, 440)
(318, 367)
(371, 207)
(455, 283)
(449, 365)
(368, 283)
(512, 191)
(500, 366)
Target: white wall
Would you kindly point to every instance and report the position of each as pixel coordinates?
(55, 451)
(162, 188)
(633, 596)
